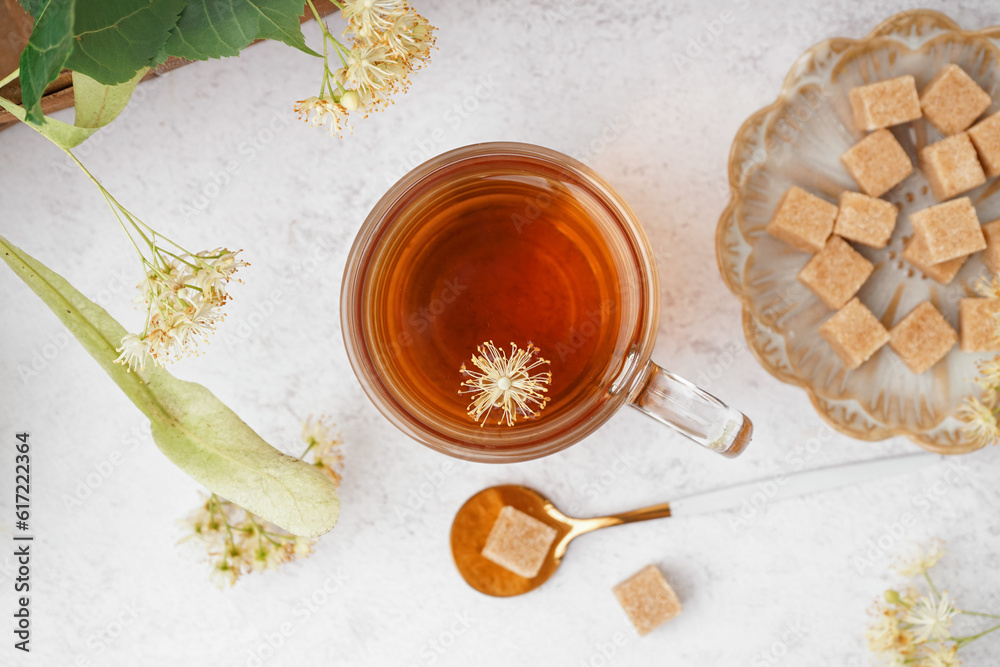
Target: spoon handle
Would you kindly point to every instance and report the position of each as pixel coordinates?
(581, 526)
(778, 488)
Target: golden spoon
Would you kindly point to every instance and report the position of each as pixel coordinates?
(475, 519)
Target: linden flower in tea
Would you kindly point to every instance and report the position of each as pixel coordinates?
(506, 383)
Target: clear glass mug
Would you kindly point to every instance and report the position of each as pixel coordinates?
(627, 375)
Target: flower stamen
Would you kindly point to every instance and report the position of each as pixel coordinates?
(506, 383)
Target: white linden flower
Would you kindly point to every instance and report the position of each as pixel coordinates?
(367, 17)
(302, 546)
(923, 561)
(324, 445)
(215, 269)
(506, 383)
(324, 110)
(930, 618)
(134, 352)
(980, 422)
(410, 37)
(369, 68)
(887, 637)
(989, 374)
(988, 288)
(224, 574)
(883, 633)
(187, 327)
(318, 433)
(942, 657)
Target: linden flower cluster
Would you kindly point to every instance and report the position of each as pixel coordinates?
(239, 542)
(182, 295)
(913, 629)
(980, 414)
(389, 40)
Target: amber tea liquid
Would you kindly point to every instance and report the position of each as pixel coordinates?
(503, 254)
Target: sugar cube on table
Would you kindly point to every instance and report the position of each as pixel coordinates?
(865, 219)
(951, 101)
(648, 599)
(802, 220)
(991, 256)
(977, 325)
(854, 334)
(877, 163)
(985, 137)
(915, 253)
(885, 103)
(949, 230)
(836, 273)
(519, 542)
(951, 166)
(922, 338)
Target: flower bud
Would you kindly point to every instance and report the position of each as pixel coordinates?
(350, 100)
(892, 597)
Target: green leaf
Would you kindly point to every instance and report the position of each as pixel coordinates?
(115, 38)
(48, 47)
(60, 133)
(212, 29)
(190, 425)
(32, 6)
(97, 104)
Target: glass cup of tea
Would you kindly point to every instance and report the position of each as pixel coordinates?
(522, 250)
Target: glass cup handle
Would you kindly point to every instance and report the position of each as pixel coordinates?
(691, 411)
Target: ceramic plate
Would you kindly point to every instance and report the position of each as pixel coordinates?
(798, 140)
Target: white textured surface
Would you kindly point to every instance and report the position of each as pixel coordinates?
(785, 586)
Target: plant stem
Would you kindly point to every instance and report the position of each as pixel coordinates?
(962, 641)
(133, 220)
(341, 49)
(931, 584)
(316, 15)
(10, 77)
(111, 202)
(979, 613)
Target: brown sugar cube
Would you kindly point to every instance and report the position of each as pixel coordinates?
(648, 599)
(865, 219)
(922, 338)
(519, 542)
(951, 101)
(885, 103)
(985, 137)
(854, 334)
(802, 220)
(991, 256)
(915, 253)
(977, 325)
(949, 230)
(836, 272)
(877, 163)
(951, 166)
